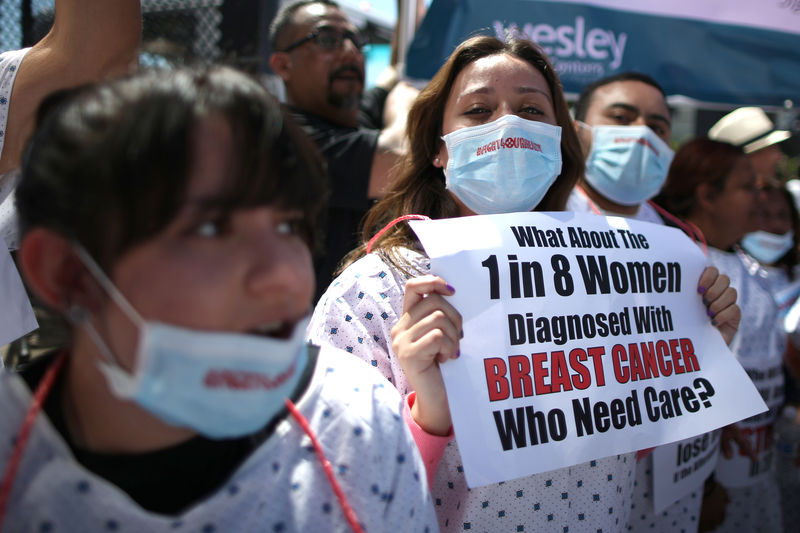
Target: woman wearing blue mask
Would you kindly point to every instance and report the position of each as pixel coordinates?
(775, 243)
(168, 216)
(711, 185)
(490, 133)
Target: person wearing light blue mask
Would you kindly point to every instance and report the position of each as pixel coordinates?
(490, 133)
(774, 244)
(624, 124)
(169, 217)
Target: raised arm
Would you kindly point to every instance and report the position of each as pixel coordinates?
(89, 40)
(392, 142)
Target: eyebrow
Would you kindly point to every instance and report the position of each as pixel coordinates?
(519, 90)
(634, 109)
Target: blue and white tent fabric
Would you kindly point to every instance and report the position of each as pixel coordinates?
(724, 51)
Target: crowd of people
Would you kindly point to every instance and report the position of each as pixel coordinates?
(255, 334)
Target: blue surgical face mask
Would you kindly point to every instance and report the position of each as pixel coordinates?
(504, 166)
(219, 384)
(627, 164)
(767, 247)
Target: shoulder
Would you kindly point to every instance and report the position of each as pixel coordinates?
(334, 139)
(647, 213)
(9, 64)
(368, 287)
(348, 394)
(371, 276)
(577, 202)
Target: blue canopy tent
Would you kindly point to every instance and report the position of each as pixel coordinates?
(733, 52)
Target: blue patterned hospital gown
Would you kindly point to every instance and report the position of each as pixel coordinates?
(280, 487)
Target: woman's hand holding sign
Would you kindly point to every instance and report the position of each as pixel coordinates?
(427, 334)
(720, 300)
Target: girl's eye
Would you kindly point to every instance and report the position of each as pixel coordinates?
(291, 226)
(531, 110)
(476, 110)
(207, 229)
(210, 228)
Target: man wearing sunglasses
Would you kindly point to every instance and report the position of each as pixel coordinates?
(318, 53)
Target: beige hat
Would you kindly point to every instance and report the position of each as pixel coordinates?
(748, 127)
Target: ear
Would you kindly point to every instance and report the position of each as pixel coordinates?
(281, 64)
(440, 157)
(54, 272)
(705, 195)
(584, 137)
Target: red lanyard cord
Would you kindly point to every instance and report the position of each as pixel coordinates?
(392, 223)
(592, 205)
(39, 397)
(349, 514)
(690, 229)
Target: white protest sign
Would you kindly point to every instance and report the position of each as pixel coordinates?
(16, 314)
(681, 467)
(740, 470)
(584, 337)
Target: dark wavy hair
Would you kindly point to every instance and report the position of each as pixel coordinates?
(419, 187)
(700, 160)
(109, 165)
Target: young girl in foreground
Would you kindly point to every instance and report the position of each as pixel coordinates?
(168, 216)
(385, 309)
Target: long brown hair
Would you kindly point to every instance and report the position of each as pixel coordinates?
(419, 187)
(700, 160)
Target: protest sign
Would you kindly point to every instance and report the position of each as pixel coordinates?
(584, 337)
(740, 470)
(681, 467)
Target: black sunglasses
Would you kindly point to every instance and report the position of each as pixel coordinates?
(329, 39)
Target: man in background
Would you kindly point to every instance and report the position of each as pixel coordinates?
(318, 53)
(751, 129)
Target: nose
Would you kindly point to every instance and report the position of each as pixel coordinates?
(278, 264)
(503, 109)
(348, 48)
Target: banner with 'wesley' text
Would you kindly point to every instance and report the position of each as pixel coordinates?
(742, 53)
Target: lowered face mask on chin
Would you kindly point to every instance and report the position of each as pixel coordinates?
(219, 384)
(627, 164)
(504, 166)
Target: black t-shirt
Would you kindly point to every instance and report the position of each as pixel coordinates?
(168, 480)
(348, 153)
(370, 112)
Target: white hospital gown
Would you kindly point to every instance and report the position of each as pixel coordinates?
(280, 487)
(357, 313)
(756, 508)
(683, 516)
(9, 66)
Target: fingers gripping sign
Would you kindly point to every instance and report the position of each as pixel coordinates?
(426, 335)
(720, 301)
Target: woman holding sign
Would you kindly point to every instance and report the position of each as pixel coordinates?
(712, 186)
(386, 309)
